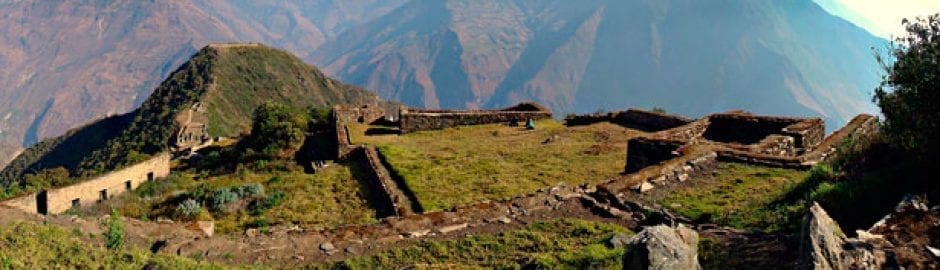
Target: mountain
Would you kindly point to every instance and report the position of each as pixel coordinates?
(64, 63)
(689, 57)
(220, 85)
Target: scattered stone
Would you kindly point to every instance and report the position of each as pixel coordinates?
(504, 220)
(207, 228)
(351, 250)
(299, 258)
(161, 220)
(251, 233)
(683, 177)
(415, 234)
(451, 228)
(663, 247)
(643, 187)
(933, 251)
(327, 247)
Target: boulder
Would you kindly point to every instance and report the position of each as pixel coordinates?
(824, 246)
(663, 247)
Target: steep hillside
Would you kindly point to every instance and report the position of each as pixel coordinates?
(690, 57)
(229, 81)
(64, 63)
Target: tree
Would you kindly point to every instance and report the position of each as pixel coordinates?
(277, 129)
(909, 95)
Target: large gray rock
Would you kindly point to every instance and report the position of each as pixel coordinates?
(663, 247)
(824, 246)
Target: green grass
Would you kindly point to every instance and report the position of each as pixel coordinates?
(468, 164)
(32, 246)
(743, 196)
(332, 197)
(562, 243)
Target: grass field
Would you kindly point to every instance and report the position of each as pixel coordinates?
(743, 196)
(467, 164)
(330, 198)
(554, 244)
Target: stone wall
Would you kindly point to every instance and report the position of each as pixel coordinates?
(750, 129)
(93, 190)
(692, 162)
(645, 152)
(633, 118)
(388, 199)
(418, 120)
(365, 114)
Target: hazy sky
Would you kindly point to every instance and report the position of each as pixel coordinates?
(880, 17)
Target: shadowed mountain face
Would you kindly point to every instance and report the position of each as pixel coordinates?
(66, 63)
(689, 57)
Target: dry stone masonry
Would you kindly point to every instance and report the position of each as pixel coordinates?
(59, 200)
(418, 120)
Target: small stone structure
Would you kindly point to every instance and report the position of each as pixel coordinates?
(365, 114)
(678, 154)
(418, 120)
(194, 132)
(59, 200)
(632, 118)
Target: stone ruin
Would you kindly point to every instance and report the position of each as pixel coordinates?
(417, 120)
(193, 133)
(682, 152)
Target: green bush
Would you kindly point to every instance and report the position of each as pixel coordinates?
(258, 207)
(114, 236)
(188, 209)
(220, 198)
(277, 130)
(250, 190)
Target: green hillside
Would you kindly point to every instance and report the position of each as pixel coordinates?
(229, 80)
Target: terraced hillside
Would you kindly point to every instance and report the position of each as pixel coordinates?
(229, 81)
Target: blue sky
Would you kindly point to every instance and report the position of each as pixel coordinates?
(880, 17)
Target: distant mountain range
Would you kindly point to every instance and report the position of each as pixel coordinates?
(65, 63)
(689, 57)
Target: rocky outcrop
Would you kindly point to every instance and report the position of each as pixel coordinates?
(825, 246)
(663, 247)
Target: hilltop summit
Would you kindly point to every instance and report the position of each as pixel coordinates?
(212, 95)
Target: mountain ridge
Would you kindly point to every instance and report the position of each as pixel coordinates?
(224, 79)
(688, 57)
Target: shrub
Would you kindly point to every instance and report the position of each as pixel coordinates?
(188, 209)
(258, 207)
(114, 236)
(221, 198)
(250, 190)
(277, 130)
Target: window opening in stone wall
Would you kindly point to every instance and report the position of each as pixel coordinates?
(76, 203)
(128, 185)
(149, 176)
(103, 195)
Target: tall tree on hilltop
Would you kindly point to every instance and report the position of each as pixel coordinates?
(909, 95)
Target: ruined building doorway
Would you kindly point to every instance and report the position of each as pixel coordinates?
(41, 203)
